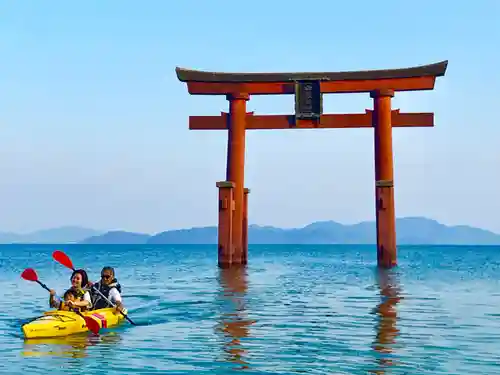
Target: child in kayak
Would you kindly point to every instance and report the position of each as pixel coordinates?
(69, 296)
(82, 300)
(109, 287)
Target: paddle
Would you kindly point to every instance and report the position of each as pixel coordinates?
(63, 259)
(29, 274)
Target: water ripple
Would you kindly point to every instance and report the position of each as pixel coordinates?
(295, 310)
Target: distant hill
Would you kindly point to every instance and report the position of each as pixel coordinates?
(410, 230)
(118, 238)
(201, 235)
(66, 234)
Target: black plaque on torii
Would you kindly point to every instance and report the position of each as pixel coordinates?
(308, 100)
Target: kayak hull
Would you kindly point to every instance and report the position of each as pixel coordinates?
(57, 323)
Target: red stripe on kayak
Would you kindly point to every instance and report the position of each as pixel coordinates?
(104, 322)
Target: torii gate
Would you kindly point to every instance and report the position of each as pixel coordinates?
(308, 89)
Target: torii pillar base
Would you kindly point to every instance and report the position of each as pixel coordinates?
(227, 256)
(244, 256)
(225, 225)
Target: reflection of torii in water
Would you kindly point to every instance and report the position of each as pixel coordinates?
(387, 318)
(232, 323)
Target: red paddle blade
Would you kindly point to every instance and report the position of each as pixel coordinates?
(92, 325)
(29, 274)
(62, 258)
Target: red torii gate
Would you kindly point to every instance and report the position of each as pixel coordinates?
(308, 89)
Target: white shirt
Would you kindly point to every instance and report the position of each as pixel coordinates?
(114, 295)
(86, 297)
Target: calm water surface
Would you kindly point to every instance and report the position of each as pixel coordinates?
(296, 309)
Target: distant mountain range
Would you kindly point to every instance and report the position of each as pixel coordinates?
(410, 230)
(60, 235)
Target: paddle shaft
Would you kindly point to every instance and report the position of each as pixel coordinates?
(59, 298)
(46, 288)
(43, 285)
(112, 304)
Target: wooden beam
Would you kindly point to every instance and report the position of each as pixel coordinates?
(190, 75)
(327, 87)
(330, 121)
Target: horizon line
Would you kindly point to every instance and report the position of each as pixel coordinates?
(103, 231)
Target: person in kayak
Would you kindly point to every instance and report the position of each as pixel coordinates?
(69, 296)
(109, 287)
(79, 283)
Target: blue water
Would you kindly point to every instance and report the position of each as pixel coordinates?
(296, 309)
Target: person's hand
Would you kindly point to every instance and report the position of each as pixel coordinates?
(119, 307)
(90, 283)
(52, 292)
(70, 304)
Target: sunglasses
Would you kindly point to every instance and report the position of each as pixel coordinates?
(106, 277)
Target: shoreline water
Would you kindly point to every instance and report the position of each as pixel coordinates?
(309, 309)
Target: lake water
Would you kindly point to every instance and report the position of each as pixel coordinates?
(295, 310)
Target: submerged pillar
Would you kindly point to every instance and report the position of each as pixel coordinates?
(225, 225)
(236, 167)
(245, 226)
(384, 179)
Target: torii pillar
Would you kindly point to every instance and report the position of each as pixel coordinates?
(236, 171)
(308, 89)
(384, 178)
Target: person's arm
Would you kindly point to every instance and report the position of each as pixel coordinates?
(85, 302)
(53, 301)
(116, 298)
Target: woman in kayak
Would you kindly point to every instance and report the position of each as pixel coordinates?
(79, 281)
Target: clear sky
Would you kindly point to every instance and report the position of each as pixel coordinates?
(94, 123)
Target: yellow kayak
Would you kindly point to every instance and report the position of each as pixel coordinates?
(56, 323)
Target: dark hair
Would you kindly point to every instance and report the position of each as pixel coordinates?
(107, 268)
(69, 292)
(85, 278)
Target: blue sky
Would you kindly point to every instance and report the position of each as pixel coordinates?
(94, 123)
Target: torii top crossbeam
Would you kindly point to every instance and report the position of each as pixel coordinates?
(219, 83)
